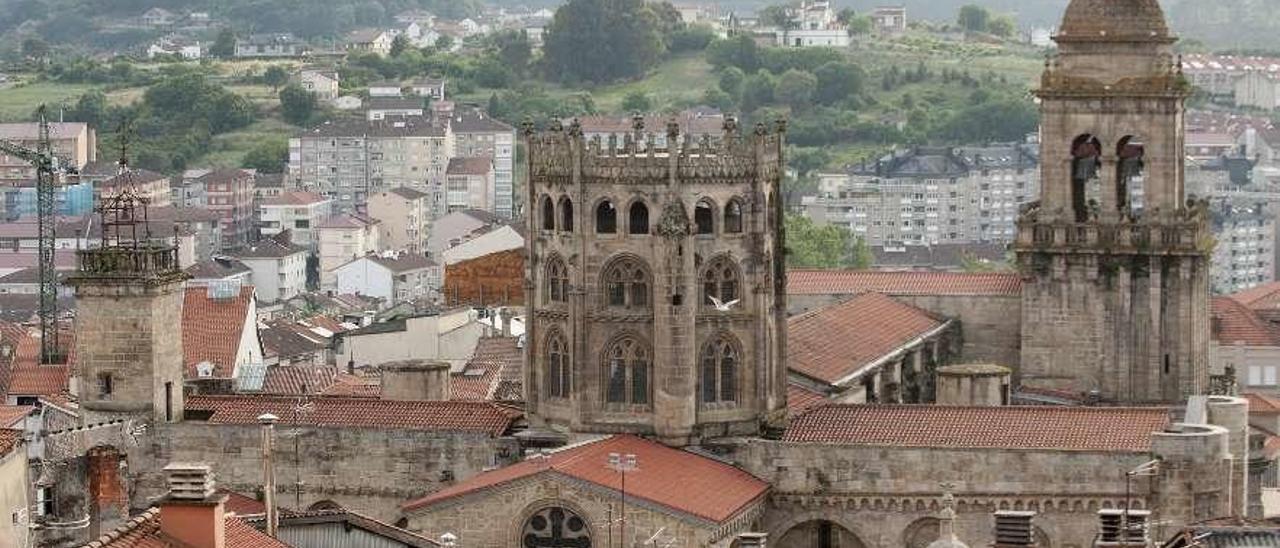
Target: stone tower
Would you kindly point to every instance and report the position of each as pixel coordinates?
(631, 246)
(128, 319)
(1114, 258)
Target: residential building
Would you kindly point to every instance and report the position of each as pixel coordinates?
(203, 225)
(75, 144)
(296, 211)
(476, 134)
(925, 196)
(394, 277)
(229, 194)
(469, 184)
(219, 269)
(16, 486)
(449, 337)
(405, 216)
(158, 17)
(499, 238)
(1218, 75)
(323, 83)
(1245, 254)
(381, 108)
(278, 269)
(70, 198)
(343, 238)
(370, 40)
(189, 191)
(219, 330)
(175, 46)
(455, 228)
(1202, 145)
(270, 45)
(889, 19)
(431, 88)
(268, 185)
(346, 161)
(813, 24)
(1258, 89)
(1244, 343)
(386, 88)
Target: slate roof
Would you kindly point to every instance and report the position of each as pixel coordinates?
(1106, 429)
(470, 165)
(217, 268)
(1234, 323)
(831, 343)
(912, 282)
(493, 359)
(408, 193)
(404, 263)
(269, 248)
(211, 329)
(395, 103)
(476, 121)
(679, 480)
(294, 198)
(286, 339)
(348, 220)
(143, 531)
(449, 416)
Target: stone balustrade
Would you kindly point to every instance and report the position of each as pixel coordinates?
(1135, 238)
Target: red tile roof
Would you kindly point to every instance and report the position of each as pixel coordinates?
(493, 356)
(9, 440)
(362, 412)
(1262, 404)
(296, 380)
(1234, 323)
(39, 380)
(801, 399)
(1109, 429)
(1263, 296)
(211, 329)
(143, 531)
(682, 481)
(243, 505)
(811, 282)
(831, 343)
(11, 415)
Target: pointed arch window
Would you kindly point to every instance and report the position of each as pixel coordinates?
(548, 214)
(566, 214)
(638, 218)
(626, 370)
(1086, 163)
(719, 363)
(704, 217)
(720, 282)
(626, 284)
(606, 218)
(733, 217)
(557, 281)
(558, 368)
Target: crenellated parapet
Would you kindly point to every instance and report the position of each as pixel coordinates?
(559, 152)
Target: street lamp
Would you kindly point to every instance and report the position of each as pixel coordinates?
(623, 463)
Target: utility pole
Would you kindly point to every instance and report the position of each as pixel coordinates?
(268, 422)
(623, 464)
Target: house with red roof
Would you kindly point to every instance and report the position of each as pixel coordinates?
(1244, 346)
(219, 331)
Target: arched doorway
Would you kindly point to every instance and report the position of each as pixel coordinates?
(819, 533)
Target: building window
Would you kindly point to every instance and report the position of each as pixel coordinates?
(548, 214)
(626, 284)
(557, 281)
(566, 214)
(627, 370)
(606, 218)
(733, 217)
(105, 386)
(720, 282)
(704, 217)
(44, 501)
(1262, 375)
(720, 371)
(555, 526)
(559, 370)
(638, 219)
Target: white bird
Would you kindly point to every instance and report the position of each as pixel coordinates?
(722, 306)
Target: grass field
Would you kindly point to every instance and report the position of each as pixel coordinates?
(229, 148)
(679, 81)
(17, 102)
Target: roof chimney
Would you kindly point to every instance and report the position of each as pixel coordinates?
(192, 513)
(1122, 528)
(1013, 529)
(415, 380)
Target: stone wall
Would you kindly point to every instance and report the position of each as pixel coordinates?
(368, 470)
(497, 278)
(14, 497)
(496, 517)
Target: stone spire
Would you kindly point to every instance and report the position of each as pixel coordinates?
(947, 521)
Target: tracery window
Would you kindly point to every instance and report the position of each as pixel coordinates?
(555, 527)
(626, 284)
(626, 370)
(558, 367)
(720, 282)
(719, 365)
(557, 281)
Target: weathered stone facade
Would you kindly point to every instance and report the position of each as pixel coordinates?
(628, 245)
(1115, 261)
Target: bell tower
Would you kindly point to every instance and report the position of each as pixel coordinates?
(1115, 259)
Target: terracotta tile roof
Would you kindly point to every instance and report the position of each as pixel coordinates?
(243, 505)
(286, 339)
(299, 380)
(211, 329)
(143, 531)
(1259, 297)
(294, 198)
(1234, 323)
(685, 482)
(1109, 429)
(352, 386)
(24, 349)
(362, 412)
(10, 439)
(491, 362)
(39, 380)
(834, 342)
(810, 282)
(801, 399)
(1262, 404)
(12, 415)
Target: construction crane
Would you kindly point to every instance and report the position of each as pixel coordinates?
(47, 167)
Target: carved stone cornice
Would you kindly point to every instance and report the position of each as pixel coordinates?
(985, 502)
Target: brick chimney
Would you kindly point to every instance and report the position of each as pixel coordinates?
(752, 540)
(1013, 529)
(192, 513)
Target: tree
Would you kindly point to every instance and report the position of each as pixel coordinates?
(780, 17)
(813, 246)
(737, 51)
(601, 41)
(757, 90)
(806, 160)
(1002, 26)
(796, 88)
(974, 18)
(731, 79)
(399, 45)
(860, 25)
(224, 45)
(297, 105)
(495, 107)
(444, 42)
(268, 157)
(514, 49)
(35, 49)
(837, 81)
(717, 98)
(637, 101)
(846, 16)
(862, 256)
(275, 76)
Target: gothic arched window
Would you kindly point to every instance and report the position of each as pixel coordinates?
(606, 218)
(1130, 153)
(720, 281)
(1086, 162)
(626, 371)
(558, 368)
(555, 526)
(548, 214)
(566, 214)
(733, 217)
(626, 284)
(557, 281)
(704, 217)
(719, 363)
(638, 218)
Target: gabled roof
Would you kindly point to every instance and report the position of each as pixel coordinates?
(470, 165)
(445, 416)
(304, 380)
(816, 282)
(831, 343)
(217, 268)
(493, 360)
(269, 248)
(348, 220)
(243, 505)
(801, 399)
(406, 262)
(294, 198)
(678, 480)
(11, 415)
(1106, 429)
(1262, 404)
(286, 339)
(225, 176)
(211, 329)
(1234, 323)
(476, 121)
(1262, 296)
(143, 531)
(39, 380)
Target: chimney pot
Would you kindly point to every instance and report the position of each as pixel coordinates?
(193, 514)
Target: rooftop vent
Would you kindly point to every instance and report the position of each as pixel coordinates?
(1013, 529)
(189, 481)
(1118, 527)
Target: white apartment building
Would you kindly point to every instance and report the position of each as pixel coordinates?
(298, 212)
